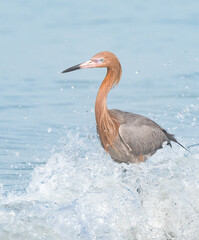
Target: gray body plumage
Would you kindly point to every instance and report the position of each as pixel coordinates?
(139, 137)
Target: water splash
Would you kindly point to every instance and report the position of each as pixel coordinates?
(80, 193)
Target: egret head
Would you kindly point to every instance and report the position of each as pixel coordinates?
(100, 60)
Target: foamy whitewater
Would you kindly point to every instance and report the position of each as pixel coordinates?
(80, 193)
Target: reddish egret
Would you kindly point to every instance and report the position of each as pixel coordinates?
(127, 137)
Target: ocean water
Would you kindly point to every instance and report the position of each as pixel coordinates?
(56, 181)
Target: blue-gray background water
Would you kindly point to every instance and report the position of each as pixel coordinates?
(56, 182)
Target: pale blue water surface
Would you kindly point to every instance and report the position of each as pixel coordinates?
(56, 182)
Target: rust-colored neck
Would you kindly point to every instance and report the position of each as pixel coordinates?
(107, 126)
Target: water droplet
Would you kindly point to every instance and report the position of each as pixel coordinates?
(49, 130)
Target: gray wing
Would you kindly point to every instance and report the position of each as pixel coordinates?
(143, 139)
(140, 134)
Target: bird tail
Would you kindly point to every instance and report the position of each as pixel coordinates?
(172, 138)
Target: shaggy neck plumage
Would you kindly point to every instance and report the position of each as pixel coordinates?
(107, 126)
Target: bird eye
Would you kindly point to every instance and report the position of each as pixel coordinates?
(102, 59)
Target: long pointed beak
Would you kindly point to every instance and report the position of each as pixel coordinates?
(88, 64)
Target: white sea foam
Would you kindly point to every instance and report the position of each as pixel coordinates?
(80, 193)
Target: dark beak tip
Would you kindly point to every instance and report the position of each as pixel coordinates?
(76, 67)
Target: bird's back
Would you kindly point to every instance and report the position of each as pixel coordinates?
(132, 118)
